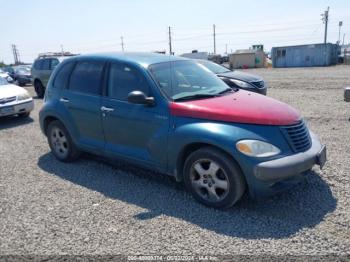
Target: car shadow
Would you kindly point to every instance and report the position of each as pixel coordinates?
(7, 122)
(280, 216)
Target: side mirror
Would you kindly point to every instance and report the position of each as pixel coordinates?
(347, 94)
(138, 97)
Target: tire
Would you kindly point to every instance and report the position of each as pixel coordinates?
(24, 115)
(39, 89)
(61, 143)
(213, 178)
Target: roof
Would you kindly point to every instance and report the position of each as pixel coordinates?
(142, 59)
(306, 45)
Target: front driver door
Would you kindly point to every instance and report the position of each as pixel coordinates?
(134, 132)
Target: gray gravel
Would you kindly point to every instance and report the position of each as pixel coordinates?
(91, 207)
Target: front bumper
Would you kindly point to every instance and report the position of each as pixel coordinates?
(17, 108)
(289, 166)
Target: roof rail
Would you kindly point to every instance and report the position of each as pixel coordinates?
(55, 54)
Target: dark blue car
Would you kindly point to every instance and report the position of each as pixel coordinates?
(171, 115)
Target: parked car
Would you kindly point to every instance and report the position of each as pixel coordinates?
(14, 100)
(170, 114)
(20, 74)
(237, 79)
(41, 71)
(347, 94)
(6, 76)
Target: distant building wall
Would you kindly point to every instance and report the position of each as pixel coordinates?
(242, 60)
(304, 55)
(196, 55)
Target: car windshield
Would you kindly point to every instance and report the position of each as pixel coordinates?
(3, 81)
(181, 80)
(215, 68)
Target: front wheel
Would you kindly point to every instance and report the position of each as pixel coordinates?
(213, 178)
(61, 143)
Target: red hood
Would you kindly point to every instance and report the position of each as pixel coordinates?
(239, 107)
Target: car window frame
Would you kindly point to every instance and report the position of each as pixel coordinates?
(123, 63)
(102, 80)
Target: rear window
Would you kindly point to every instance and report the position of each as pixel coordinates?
(38, 64)
(86, 77)
(62, 76)
(46, 64)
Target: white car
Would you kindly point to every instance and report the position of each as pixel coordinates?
(6, 75)
(14, 100)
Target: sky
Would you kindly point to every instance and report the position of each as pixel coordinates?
(90, 26)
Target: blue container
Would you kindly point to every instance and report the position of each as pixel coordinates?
(304, 55)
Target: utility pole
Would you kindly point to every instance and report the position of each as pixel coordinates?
(15, 54)
(340, 25)
(226, 49)
(170, 47)
(214, 35)
(122, 39)
(325, 21)
(62, 52)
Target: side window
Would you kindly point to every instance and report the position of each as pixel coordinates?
(62, 75)
(46, 64)
(54, 63)
(124, 79)
(38, 64)
(86, 77)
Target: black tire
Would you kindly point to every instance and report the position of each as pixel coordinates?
(24, 115)
(228, 174)
(63, 151)
(39, 89)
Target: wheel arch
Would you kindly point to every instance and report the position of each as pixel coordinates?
(192, 147)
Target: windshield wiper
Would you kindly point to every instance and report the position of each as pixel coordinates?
(227, 90)
(194, 97)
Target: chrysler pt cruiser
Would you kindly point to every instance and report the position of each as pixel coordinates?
(174, 116)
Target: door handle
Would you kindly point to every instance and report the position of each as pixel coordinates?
(107, 109)
(64, 100)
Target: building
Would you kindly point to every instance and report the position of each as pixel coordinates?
(196, 55)
(305, 55)
(247, 58)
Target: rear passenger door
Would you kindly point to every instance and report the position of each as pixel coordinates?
(82, 101)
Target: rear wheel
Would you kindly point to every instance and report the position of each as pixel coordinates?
(213, 178)
(39, 88)
(61, 143)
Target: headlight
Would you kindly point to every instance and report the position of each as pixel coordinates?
(9, 79)
(23, 96)
(241, 84)
(257, 148)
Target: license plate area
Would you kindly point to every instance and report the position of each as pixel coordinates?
(321, 158)
(6, 110)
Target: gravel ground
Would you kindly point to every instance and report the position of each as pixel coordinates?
(91, 207)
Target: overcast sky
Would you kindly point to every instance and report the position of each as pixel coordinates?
(85, 26)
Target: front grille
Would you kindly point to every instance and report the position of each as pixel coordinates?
(259, 84)
(297, 136)
(7, 100)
